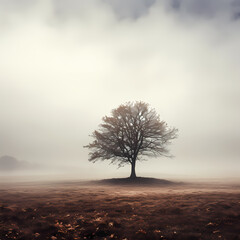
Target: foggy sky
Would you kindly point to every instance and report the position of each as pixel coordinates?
(66, 64)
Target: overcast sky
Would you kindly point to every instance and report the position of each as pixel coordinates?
(64, 64)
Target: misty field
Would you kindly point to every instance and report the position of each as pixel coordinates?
(83, 210)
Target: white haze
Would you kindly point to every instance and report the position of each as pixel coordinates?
(66, 64)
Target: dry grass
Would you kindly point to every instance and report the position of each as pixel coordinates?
(106, 210)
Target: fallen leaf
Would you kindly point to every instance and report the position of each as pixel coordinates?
(210, 224)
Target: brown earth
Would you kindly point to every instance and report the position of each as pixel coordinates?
(109, 209)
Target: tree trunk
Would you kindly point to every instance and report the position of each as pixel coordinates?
(133, 173)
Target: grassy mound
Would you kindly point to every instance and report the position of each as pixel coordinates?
(139, 181)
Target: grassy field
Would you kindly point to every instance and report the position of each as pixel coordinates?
(116, 210)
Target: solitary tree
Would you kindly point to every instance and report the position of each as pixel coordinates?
(132, 131)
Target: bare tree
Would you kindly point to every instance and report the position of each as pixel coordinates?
(134, 130)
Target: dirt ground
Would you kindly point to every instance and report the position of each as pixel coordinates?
(79, 210)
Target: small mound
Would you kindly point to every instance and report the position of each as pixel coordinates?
(138, 181)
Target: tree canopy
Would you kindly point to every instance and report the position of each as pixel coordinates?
(132, 131)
